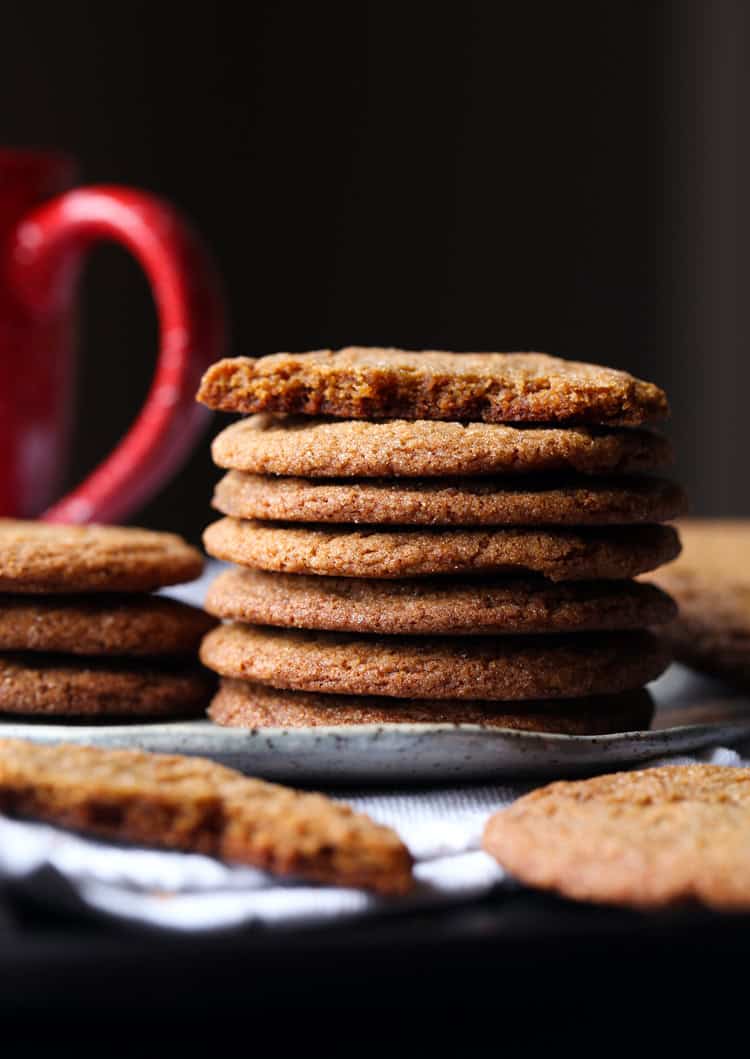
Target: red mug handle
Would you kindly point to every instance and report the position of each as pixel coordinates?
(190, 309)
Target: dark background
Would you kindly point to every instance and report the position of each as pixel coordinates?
(566, 177)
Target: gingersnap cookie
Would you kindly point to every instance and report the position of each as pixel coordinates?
(242, 704)
(711, 584)
(38, 685)
(457, 605)
(510, 668)
(43, 558)
(195, 805)
(101, 625)
(362, 383)
(657, 837)
(712, 632)
(329, 448)
(446, 502)
(560, 554)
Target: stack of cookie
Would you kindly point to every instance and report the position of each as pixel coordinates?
(80, 635)
(437, 537)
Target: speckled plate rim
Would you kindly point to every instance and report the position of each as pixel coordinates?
(75, 732)
(386, 753)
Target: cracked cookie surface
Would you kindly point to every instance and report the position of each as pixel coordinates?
(42, 685)
(243, 704)
(42, 558)
(511, 668)
(371, 383)
(451, 502)
(658, 837)
(448, 605)
(132, 625)
(329, 448)
(559, 554)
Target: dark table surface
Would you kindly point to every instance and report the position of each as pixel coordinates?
(521, 950)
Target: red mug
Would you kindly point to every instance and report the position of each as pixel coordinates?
(45, 229)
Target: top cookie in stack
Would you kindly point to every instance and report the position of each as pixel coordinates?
(451, 532)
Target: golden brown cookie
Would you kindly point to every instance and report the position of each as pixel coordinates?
(242, 704)
(711, 584)
(559, 554)
(191, 804)
(362, 383)
(331, 448)
(451, 502)
(38, 685)
(662, 836)
(42, 558)
(456, 605)
(509, 668)
(101, 625)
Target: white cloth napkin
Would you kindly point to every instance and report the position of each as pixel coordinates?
(188, 892)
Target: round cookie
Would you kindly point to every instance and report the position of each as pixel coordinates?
(712, 631)
(446, 502)
(372, 383)
(711, 584)
(511, 668)
(101, 625)
(55, 686)
(458, 606)
(43, 558)
(658, 837)
(558, 554)
(326, 448)
(242, 704)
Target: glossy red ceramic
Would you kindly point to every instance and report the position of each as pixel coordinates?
(46, 227)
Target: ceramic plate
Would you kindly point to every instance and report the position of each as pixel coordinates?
(692, 712)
